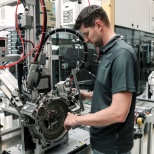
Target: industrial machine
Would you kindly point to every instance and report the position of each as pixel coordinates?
(36, 97)
(3, 46)
(41, 107)
(145, 115)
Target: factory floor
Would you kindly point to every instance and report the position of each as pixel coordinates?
(10, 140)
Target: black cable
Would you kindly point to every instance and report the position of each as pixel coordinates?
(24, 3)
(30, 43)
(77, 35)
(90, 73)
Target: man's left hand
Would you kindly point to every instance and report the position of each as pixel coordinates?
(70, 121)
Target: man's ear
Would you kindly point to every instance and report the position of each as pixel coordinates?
(99, 24)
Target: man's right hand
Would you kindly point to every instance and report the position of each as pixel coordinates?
(86, 95)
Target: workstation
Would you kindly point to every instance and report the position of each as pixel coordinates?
(46, 65)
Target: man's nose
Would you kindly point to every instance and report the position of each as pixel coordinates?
(86, 39)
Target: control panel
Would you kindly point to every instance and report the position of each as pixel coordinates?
(3, 46)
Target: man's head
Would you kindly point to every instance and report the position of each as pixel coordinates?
(89, 15)
(92, 21)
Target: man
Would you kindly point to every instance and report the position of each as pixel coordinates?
(113, 100)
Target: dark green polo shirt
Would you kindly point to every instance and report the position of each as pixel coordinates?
(117, 72)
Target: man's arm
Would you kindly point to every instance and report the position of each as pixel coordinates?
(117, 112)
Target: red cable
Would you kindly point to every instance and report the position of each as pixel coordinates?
(22, 41)
(22, 58)
(43, 29)
(9, 65)
(30, 42)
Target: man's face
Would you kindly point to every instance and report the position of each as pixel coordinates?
(92, 35)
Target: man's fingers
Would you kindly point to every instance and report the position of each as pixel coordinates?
(67, 127)
(68, 113)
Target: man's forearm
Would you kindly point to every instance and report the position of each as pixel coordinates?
(116, 112)
(102, 118)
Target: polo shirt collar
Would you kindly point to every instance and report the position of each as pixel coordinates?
(109, 44)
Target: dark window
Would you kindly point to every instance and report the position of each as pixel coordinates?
(2, 43)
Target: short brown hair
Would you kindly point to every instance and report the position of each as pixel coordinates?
(89, 15)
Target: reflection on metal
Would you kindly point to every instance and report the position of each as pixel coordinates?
(8, 80)
(78, 143)
(143, 44)
(8, 2)
(8, 131)
(147, 108)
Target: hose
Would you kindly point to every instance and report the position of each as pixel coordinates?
(74, 33)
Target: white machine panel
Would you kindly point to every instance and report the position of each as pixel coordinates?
(70, 11)
(7, 19)
(7, 2)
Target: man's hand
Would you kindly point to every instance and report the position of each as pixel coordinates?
(70, 121)
(86, 95)
(83, 95)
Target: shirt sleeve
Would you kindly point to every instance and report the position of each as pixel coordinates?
(123, 75)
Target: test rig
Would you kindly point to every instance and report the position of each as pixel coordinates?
(42, 110)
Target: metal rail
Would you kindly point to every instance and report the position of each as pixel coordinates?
(8, 131)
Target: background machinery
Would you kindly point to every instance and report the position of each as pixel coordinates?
(41, 106)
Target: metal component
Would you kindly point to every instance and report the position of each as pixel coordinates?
(75, 144)
(143, 99)
(42, 113)
(24, 145)
(141, 146)
(26, 21)
(10, 58)
(65, 91)
(8, 2)
(8, 131)
(150, 121)
(30, 2)
(58, 6)
(73, 0)
(42, 59)
(30, 33)
(151, 83)
(10, 88)
(51, 59)
(14, 102)
(6, 92)
(34, 76)
(149, 118)
(77, 88)
(11, 110)
(3, 46)
(34, 24)
(45, 119)
(63, 88)
(9, 80)
(14, 43)
(139, 129)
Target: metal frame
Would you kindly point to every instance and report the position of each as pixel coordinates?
(8, 2)
(74, 145)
